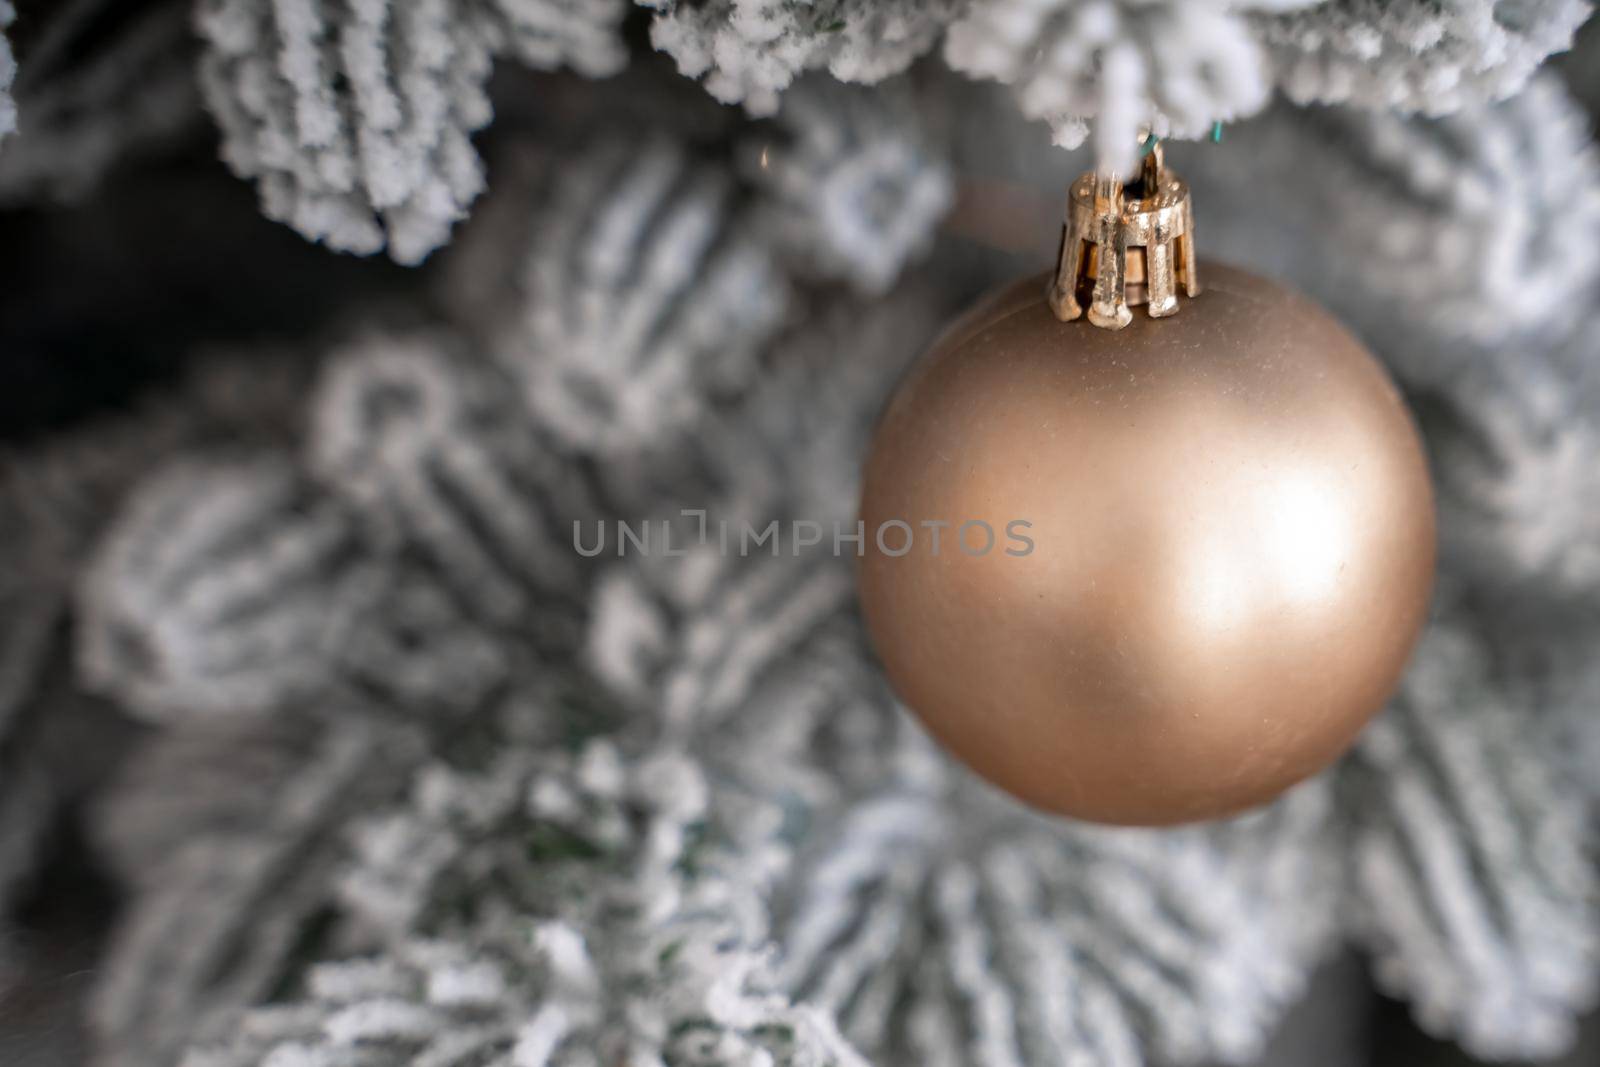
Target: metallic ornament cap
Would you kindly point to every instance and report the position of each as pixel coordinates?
(1125, 245)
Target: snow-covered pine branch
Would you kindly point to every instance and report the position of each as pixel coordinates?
(355, 118)
(1416, 55)
(8, 72)
(1172, 66)
(1473, 883)
(94, 93)
(556, 910)
(223, 903)
(1122, 65)
(851, 180)
(223, 590)
(749, 51)
(417, 433)
(648, 293)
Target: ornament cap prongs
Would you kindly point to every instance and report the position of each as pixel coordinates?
(1126, 244)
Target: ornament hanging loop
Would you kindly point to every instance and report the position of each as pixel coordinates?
(1125, 244)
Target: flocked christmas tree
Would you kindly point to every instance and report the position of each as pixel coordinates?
(423, 786)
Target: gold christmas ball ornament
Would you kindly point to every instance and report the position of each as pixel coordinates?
(1145, 568)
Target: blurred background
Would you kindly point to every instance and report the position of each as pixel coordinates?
(148, 308)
